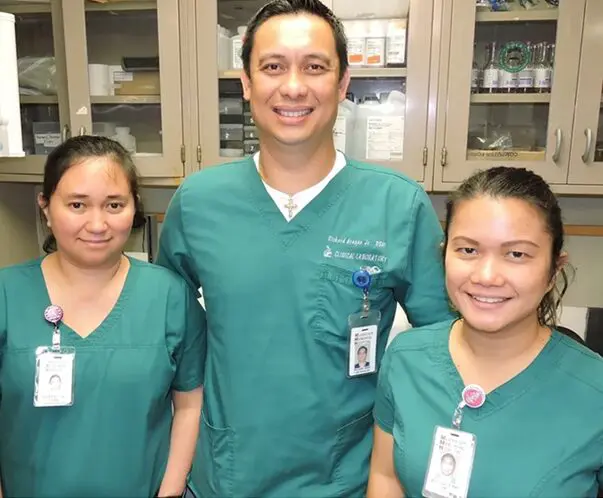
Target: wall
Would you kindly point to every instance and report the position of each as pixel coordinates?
(18, 236)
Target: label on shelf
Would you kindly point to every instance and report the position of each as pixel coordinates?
(490, 78)
(542, 77)
(339, 131)
(385, 137)
(48, 139)
(122, 76)
(356, 51)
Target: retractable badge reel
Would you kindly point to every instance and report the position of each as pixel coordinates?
(364, 328)
(453, 452)
(54, 380)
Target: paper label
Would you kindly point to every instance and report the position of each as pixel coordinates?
(385, 137)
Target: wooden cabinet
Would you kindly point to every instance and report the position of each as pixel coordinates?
(546, 130)
(195, 117)
(226, 130)
(93, 92)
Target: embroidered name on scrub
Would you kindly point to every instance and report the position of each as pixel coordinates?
(54, 379)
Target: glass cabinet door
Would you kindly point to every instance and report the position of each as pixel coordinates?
(130, 81)
(510, 86)
(586, 166)
(40, 79)
(388, 53)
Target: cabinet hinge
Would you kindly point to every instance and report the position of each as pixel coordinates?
(444, 158)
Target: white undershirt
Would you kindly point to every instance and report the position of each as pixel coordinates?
(300, 200)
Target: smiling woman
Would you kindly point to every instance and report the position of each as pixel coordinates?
(136, 329)
(504, 263)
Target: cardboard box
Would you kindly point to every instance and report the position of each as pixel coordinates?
(139, 83)
(506, 155)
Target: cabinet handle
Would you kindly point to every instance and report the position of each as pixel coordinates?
(558, 140)
(82, 130)
(183, 153)
(425, 155)
(589, 144)
(65, 134)
(444, 157)
(199, 155)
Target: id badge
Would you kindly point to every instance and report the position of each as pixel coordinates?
(54, 382)
(450, 464)
(362, 352)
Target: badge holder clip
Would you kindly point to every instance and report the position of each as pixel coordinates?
(55, 367)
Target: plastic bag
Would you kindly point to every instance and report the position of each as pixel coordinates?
(37, 75)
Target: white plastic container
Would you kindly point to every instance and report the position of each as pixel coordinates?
(236, 45)
(344, 127)
(379, 132)
(375, 43)
(396, 43)
(100, 79)
(363, 9)
(11, 140)
(356, 34)
(223, 48)
(122, 135)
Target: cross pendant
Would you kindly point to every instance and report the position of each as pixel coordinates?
(290, 206)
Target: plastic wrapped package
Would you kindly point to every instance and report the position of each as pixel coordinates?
(37, 76)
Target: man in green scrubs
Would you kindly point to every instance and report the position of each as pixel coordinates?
(272, 242)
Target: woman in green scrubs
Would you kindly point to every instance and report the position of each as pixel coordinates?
(496, 403)
(96, 348)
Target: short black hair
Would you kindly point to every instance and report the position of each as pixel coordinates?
(289, 7)
(77, 149)
(506, 182)
(361, 348)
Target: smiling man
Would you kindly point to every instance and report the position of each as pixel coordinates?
(276, 243)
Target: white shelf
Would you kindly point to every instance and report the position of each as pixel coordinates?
(355, 72)
(510, 98)
(551, 14)
(115, 6)
(126, 99)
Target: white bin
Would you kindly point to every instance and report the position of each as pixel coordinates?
(11, 140)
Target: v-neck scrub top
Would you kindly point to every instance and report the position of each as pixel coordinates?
(280, 416)
(539, 434)
(114, 440)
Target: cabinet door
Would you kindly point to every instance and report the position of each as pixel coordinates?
(125, 78)
(510, 88)
(44, 113)
(586, 164)
(389, 51)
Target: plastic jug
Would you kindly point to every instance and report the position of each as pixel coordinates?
(380, 128)
(122, 135)
(237, 45)
(344, 126)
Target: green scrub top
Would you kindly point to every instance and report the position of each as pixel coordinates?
(280, 416)
(114, 440)
(539, 434)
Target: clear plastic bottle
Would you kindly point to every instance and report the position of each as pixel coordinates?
(236, 43)
(475, 73)
(490, 80)
(542, 70)
(526, 75)
(122, 135)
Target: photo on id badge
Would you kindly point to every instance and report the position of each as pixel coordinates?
(362, 351)
(450, 464)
